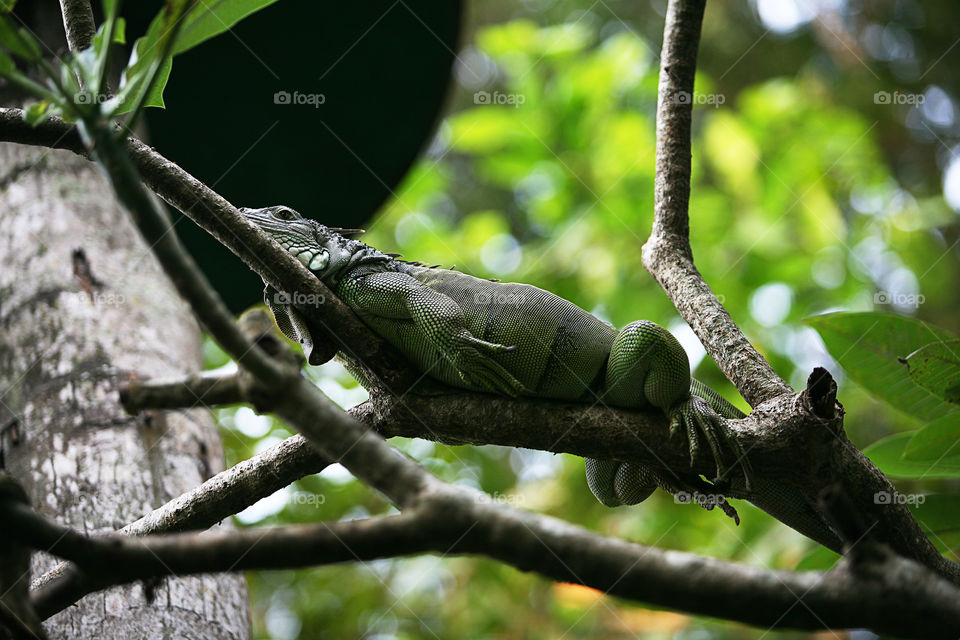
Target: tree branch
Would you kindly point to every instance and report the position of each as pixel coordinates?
(787, 428)
(18, 618)
(546, 546)
(457, 520)
(154, 226)
(668, 257)
(98, 563)
(197, 390)
(849, 468)
(667, 254)
(78, 23)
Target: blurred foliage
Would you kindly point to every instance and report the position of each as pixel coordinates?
(914, 367)
(543, 173)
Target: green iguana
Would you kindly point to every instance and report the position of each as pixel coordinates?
(516, 339)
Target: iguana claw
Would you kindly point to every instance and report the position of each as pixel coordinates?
(697, 417)
(472, 358)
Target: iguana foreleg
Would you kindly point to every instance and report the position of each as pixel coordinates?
(398, 296)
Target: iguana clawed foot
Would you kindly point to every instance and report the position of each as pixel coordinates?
(620, 483)
(472, 358)
(698, 420)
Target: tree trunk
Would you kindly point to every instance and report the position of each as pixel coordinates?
(83, 307)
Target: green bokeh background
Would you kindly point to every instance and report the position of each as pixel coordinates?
(808, 196)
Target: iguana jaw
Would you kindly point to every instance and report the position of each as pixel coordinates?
(329, 255)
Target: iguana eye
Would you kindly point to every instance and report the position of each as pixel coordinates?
(284, 214)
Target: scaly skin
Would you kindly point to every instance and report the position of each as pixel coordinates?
(516, 339)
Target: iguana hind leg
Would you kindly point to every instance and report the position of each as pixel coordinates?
(618, 483)
(648, 367)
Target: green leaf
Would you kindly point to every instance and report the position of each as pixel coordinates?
(212, 18)
(8, 70)
(135, 84)
(566, 38)
(511, 38)
(936, 440)
(868, 345)
(819, 559)
(487, 128)
(30, 44)
(119, 35)
(144, 57)
(120, 31)
(204, 22)
(936, 368)
(19, 42)
(86, 63)
(939, 517)
(6, 64)
(887, 454)
(6, 6)
(36, 113)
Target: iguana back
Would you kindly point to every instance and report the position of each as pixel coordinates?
(562, 350)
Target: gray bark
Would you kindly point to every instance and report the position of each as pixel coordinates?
(68, 339)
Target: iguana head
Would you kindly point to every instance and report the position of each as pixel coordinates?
(323, 250)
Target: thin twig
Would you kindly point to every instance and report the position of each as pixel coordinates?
(193, 391)
(78, 23)
(667, 254)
